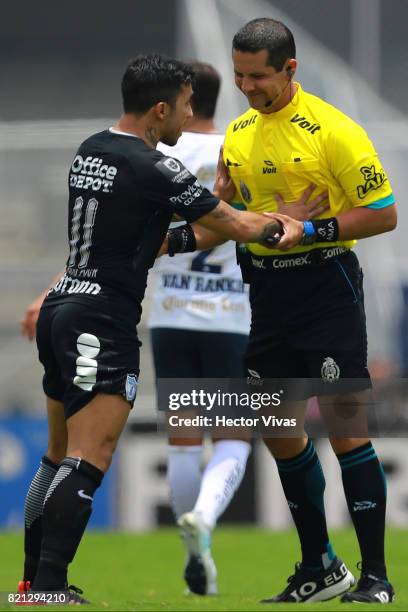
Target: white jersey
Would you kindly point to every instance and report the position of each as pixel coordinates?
(201, 290)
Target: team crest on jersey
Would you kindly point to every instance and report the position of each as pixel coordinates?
(173, 170)
(172, 164)
(330, 371)
(131, 387)
(246, 194)
(373, 180)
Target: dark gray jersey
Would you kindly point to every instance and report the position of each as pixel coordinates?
(122, 195)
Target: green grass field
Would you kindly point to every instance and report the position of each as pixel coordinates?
(143, 572)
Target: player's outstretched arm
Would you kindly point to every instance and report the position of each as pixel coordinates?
(28, 323)
(245, 226)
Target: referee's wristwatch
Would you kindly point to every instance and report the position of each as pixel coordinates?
(309, 233)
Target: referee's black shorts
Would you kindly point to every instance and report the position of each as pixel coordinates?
(84, 352)
(309, 322)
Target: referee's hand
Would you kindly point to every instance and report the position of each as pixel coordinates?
(304, 208)
(224, 187)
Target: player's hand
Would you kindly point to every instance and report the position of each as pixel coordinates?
(28, 323)
(224, 187)
(292, 231)
(305, 208)
(164, 249)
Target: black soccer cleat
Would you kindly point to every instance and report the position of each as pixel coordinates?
(308, 586)
(370, 589)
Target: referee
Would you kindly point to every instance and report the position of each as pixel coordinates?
(306, 295)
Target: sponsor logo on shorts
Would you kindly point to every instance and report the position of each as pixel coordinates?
(254, 378)
(72, 285)
(303, 260)
(330, 371)
(328, 253)
(88, 347)
(131, 387)
(258, 263)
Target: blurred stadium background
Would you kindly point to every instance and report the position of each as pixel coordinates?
(61, 65)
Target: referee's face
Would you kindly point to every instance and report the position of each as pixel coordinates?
(265, 88)
(179, 113)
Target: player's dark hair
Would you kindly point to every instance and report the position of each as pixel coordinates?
(265, 33)
(150, 79)
(206, 85)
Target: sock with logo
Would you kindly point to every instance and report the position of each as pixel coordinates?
(33, 510)
(304, 484)
(184, 477)
(365, 489)
(221, 478)
(67, 508)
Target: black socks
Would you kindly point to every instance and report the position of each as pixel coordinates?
(365, 490)
(67, 508)
(303, 484)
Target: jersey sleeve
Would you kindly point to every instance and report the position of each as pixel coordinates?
(167, 183)
(354, 162)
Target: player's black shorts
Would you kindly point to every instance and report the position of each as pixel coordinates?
(185, 353)
(85, 352)
(309, 322)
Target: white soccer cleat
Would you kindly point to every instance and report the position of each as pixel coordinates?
(200, 573)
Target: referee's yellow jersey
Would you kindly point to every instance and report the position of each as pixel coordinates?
(307, 141)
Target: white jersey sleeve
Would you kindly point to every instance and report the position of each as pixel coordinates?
(202, 290)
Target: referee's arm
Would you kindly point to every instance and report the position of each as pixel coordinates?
(363, 222)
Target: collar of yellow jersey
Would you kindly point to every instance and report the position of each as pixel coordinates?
(286, 111)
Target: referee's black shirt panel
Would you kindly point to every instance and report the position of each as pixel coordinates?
(122, 195)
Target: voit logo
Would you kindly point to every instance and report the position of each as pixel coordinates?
(269, 167)
(241, 125)
(303, 123)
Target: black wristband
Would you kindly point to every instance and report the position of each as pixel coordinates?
(327, 230)
(181, 240)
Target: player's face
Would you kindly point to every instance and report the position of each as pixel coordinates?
(179, 115)
(262, 84)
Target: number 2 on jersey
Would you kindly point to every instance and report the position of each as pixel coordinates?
(199, 263)
(86, 230)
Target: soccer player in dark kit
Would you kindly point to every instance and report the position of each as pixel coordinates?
(122, 196)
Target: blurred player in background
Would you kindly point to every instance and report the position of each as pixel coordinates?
(122, 196)
(307, 304)
(200, 305)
